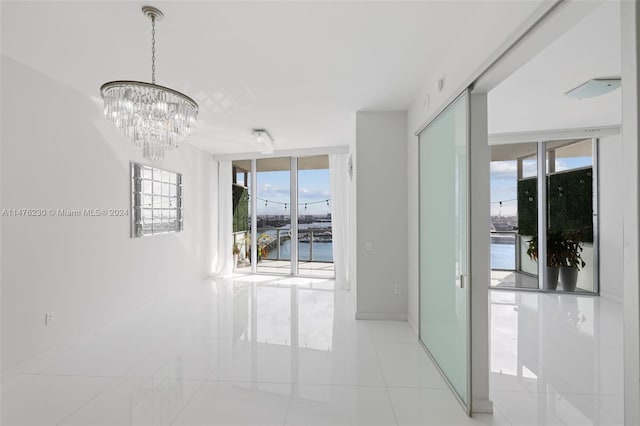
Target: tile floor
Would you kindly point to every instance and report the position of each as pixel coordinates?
(556, 359)
(286, 351)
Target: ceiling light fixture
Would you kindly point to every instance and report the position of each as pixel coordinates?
(263, 141)
(594, 87)
(155, 118)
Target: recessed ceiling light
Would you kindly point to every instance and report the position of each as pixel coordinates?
(594, 87)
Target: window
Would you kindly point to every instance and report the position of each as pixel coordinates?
(156, 201)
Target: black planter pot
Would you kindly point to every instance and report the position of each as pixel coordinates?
(569, 278)
(551, 282)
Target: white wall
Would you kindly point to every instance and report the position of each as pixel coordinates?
(611, 193)
(479, 251)
(353, 221)
(630, 31)
(381, 201)
(58, 151)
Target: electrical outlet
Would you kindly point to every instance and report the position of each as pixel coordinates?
(368, 246)
(396, 289)
(48, 318)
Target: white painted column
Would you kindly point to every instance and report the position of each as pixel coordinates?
(480, 263)
(630, 22)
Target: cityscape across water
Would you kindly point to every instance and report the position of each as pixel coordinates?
(502, 253)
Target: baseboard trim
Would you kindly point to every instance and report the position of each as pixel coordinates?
(482, 406)
(383, 316)
(413, 325)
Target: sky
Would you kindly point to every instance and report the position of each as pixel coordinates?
(504, 183)
(314, 187)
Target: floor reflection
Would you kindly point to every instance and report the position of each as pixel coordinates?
(289, 312)
(512, 279)
(273, 322)
(556, 358)
(268, 350)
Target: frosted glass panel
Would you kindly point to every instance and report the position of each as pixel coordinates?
(443, 244)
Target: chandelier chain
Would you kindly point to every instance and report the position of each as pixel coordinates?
(153, 49)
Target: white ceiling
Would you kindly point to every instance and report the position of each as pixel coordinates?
(299, 69)
(532, 98)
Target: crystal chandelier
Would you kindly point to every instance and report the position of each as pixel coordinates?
(155, 118)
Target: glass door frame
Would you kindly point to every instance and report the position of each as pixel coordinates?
(464, 280)
(293, 212)
(543, 209)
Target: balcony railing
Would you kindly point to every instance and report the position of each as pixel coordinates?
(505, 250)
(314, 244)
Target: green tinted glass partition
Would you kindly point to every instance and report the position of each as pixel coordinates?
(444, 297)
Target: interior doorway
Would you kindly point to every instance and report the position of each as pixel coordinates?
(565, 207)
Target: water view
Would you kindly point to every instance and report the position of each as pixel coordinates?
(320, 251)
(503, 256)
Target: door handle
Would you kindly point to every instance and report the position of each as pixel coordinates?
(462, 281)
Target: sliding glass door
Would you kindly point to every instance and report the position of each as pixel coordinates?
(444, 258)
(315, 233)
(282, 216)
(273, 236)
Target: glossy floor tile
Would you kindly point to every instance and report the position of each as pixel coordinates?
(152, 401)
(556, 358)
(340, 405)
(228, 403)
(259, 350)
(46, 399)
(422, 406)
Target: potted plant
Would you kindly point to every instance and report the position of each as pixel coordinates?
(236, 254)
(571, 259)
(263, 246)
(554, 250)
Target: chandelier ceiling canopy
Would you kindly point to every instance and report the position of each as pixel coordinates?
(155, 118)
(263, 141)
